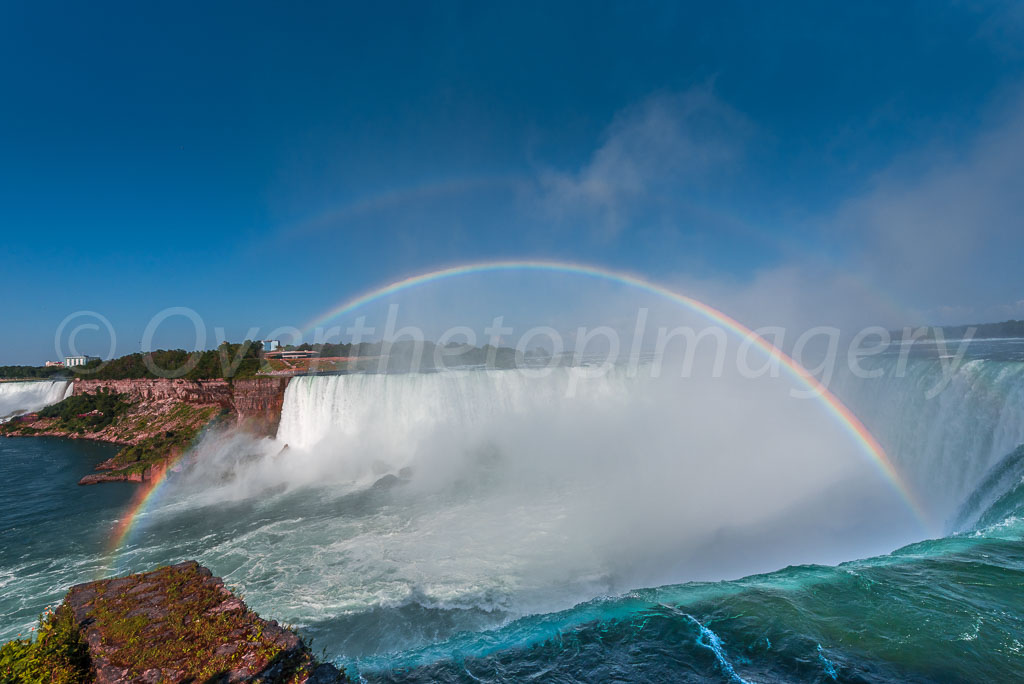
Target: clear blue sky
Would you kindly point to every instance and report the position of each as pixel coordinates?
(178, 155)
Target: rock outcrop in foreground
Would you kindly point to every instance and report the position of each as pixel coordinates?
(180, 624)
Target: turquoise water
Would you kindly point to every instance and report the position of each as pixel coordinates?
(398, 583)
(949, 610)
(944, 610)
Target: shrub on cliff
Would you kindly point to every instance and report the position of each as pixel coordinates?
(187, 421)
(57, 655)
(87, 412)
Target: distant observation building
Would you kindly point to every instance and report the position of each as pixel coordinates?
(271, 345)
(79, 360)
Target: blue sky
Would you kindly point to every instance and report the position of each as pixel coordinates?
(259, 163)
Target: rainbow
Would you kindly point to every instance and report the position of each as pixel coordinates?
(144, 496)
(839, 411)
(394, 198)
(843, 415)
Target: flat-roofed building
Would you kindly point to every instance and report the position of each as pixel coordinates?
(71, 361)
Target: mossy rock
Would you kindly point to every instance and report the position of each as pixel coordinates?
(174, 624)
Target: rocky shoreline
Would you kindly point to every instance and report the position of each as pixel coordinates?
(164, 418)
(174, 624)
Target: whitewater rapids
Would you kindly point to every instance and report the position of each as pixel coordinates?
(413, 518)
(479, 496)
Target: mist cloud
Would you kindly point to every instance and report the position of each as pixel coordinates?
(933, 237)
(651, 152)
(942, 228)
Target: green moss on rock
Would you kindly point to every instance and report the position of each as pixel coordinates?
(174, 624)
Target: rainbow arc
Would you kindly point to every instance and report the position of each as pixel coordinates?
(833, 406)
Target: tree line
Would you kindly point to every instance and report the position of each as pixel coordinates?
(245, 359)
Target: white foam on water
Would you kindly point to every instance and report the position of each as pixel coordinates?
(502, 492)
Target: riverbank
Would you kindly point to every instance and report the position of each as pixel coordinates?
(154, 420)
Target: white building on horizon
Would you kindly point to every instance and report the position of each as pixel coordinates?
(79, 360)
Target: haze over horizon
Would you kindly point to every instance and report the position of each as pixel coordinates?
(794, 164)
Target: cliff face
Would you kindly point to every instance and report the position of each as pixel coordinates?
(258, 402)
(255, 402)
(205, 392)
(165, 417)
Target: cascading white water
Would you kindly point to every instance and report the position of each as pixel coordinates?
(491, 494)
(625, 478)
(409, 507)
(945, 441)
(401, 409)
(24, 397)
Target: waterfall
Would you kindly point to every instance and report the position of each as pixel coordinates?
(613, 464)
(17, 398)
(405, 406)
(945, 443)
(479, 496)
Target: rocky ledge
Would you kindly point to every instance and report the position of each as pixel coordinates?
(174, 624)
(159, 420)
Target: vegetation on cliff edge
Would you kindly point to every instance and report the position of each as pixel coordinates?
(225, 362)
(80, 414)
(171, 431)
(57, 654)
(188, 422)
(87, 412)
